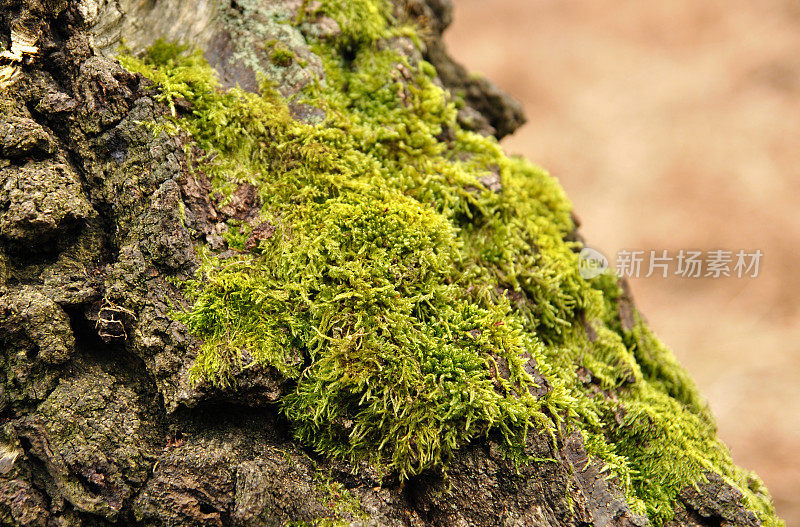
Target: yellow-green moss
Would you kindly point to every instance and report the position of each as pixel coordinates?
(395, 281)
(361, 22)
(281, 56)
(338, 497)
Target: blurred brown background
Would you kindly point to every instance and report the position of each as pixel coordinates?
(676, 125)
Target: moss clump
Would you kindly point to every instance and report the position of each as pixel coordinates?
(279, 54)
(361, 22)
(324, 522)
(396, 282)
(339, 498)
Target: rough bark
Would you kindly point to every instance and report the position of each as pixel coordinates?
(100, 424)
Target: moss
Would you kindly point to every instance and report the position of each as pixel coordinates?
(362, 22)
(395, 281)
(339, 498)
(279, 54)
(322, 522)
(282, 57)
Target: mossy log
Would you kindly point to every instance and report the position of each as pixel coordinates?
(265, 263)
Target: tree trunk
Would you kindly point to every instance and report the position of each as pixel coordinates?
(102, 207)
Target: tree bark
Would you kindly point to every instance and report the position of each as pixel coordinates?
(100, 424)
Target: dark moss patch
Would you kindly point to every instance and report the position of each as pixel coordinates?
(281, 56)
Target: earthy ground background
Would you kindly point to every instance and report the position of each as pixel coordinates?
(676, 125)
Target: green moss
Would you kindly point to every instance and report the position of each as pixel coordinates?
(339, 498)
(395, 282)
(362, 22)
(322, 522)
(279, 54)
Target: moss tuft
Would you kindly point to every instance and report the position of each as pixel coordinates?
(362, 22)
(397, 281)
(280, 55)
